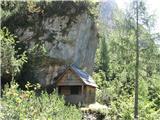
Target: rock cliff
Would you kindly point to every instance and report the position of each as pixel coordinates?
(68, 38)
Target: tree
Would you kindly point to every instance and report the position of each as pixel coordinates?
(103, 54)
(122, 48)
(12, 62)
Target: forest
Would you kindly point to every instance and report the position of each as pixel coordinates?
(126, 63)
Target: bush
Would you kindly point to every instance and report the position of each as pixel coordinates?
(19, 104)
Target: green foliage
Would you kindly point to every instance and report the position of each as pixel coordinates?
(122, 109)
(37, 50)
(36, 57)
(120, 103)
(118, 91)
(121, 42)
(11, 61)
(101, 62)
(9, 9)
(19, 104)
(154, 91)
(100, 78)
(104, 58)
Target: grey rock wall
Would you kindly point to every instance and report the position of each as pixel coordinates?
(66, 40)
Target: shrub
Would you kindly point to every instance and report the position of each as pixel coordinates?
(19, 104)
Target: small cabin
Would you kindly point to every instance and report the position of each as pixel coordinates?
(77, 86)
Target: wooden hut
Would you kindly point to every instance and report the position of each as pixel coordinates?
(77, 86)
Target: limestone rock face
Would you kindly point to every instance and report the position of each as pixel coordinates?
(67, 41)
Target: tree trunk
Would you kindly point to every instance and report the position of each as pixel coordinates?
(136, 69)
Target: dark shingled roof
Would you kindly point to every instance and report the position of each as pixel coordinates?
(87, 79)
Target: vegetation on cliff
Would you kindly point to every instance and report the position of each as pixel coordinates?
(26, 13)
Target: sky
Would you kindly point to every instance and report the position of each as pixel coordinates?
(153, 7)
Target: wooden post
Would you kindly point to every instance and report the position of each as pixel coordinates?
(82, 94)
(82, 90)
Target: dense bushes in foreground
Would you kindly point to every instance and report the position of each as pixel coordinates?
(121, 104)
(20, 105)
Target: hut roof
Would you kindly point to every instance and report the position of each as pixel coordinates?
(86, 78)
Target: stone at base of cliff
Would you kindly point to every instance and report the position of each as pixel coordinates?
(95, 106)
(94, 111)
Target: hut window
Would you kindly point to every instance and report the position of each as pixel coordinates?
(75, 90)
(64, 90)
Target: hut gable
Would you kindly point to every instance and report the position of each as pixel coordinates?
(69, 78)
